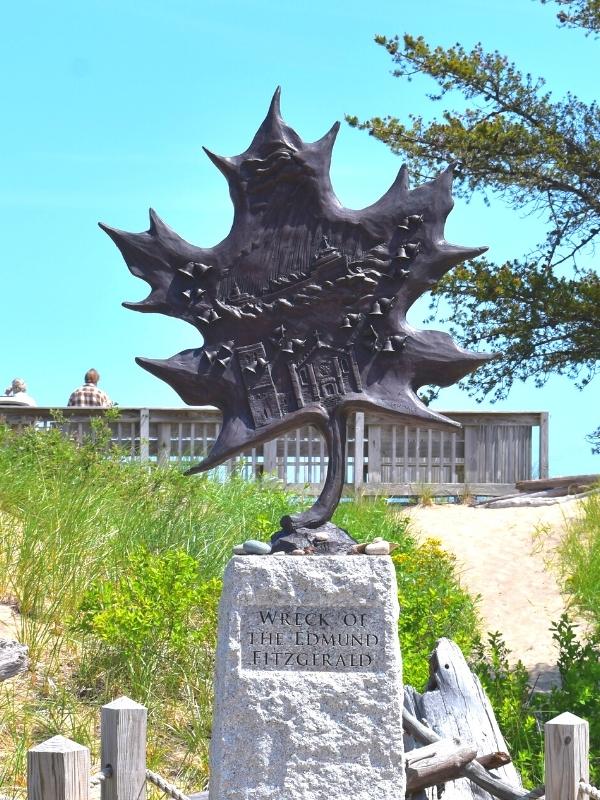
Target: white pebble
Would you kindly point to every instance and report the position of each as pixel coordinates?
(377, 549)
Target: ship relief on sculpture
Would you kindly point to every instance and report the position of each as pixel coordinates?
(300, 311)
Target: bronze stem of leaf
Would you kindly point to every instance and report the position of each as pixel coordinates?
(322, 510)
(302, 307)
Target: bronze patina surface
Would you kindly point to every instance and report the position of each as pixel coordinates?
(302, 307)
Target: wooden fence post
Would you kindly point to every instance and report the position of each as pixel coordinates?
(123, 749)
(544, 467)
(359, 448)
(144, 434)
(58, 769)
(164, 444)
(374, 454)
(270, 457)
(566, 756)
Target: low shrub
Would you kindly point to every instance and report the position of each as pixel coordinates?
(73, 515)
(507, 687)
(145, 631)
(579, 692)
(522, 711)
(432, 604)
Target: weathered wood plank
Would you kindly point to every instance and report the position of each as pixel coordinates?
(455, 706)
(416, 731)
(471, 455)
(144, 434)
(526, 450)
(374, 454)
(123, 748)
(543, 455)
(270, 457)
(566, 756)
(322, 463)
(436, 763)
(453, 473)
(164, 443)
(568, 481)
(58, 769)
(13, 659)
(548, 498)
(444, 761)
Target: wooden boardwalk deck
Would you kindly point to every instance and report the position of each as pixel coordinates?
(487, 456)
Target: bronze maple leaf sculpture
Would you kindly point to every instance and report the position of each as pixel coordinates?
(302, 307)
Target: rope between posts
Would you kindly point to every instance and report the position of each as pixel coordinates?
(171, 790)
(165, 786)
(535, 794)
(104, 773)
(591, 791)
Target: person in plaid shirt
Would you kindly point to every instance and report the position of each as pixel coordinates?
(89, 395)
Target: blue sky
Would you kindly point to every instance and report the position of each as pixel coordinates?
(106, 106)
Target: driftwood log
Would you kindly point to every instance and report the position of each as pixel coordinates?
(546, 491)
(13, 658)
(547, 498)
(454, 706)
(576, 483)
(444, 761)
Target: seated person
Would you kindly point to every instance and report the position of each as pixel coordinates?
(16, 394)
(89, 395)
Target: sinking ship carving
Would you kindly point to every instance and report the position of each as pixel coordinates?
(302, 307)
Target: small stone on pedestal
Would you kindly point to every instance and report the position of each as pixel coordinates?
(308, 695)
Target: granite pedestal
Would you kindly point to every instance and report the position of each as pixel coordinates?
(308, 695)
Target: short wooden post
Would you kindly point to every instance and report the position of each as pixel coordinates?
(123, 749)
(566, 756)
(144, 434)
(58, 769)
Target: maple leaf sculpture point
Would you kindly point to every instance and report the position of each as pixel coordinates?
(302, 307)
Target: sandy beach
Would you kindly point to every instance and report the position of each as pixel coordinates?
(497, 558)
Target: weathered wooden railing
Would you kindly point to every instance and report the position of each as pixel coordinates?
(59, 769)
(487, 456)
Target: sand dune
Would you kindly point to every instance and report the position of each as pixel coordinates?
(497, 559)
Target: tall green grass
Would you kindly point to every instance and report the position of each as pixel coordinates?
(115, 568)
(579, 561)
(73, 515)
